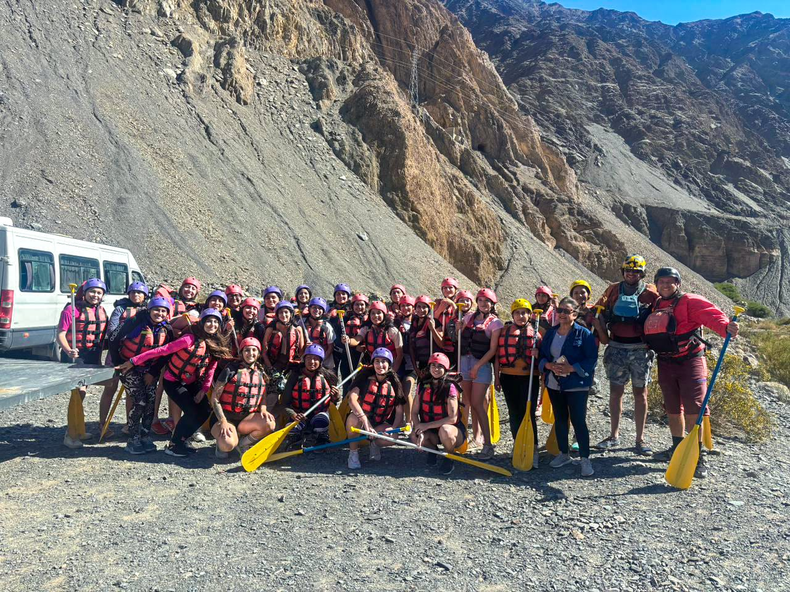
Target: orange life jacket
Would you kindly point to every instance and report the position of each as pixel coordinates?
(353, 323)
(90, 327)
(376, 338)
(515, 342)
(190, 362)
(320, 335)
(244, 392)
(148, 339)
(129, 313)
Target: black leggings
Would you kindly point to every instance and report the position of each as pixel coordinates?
(194, 414)
(571, 405)
(516, 393)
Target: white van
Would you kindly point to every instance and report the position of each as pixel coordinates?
(36, 269)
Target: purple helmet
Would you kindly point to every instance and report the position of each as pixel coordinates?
(94, 283)
(303, 287)
(284, 304)
(318, 301)
(211, 312)
(138, 287)
(315, 350)
(382, 352)
(273, 290)
(218, 294)
(342, 288)
(159, 301)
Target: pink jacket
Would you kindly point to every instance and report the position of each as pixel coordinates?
(183, 342)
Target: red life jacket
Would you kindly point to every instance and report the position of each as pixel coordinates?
(378, 402)
(376, 338)
(353, 323)
(244, 392)
(660, 334)
(269, 317)
(515, 342)
(129, 313)
(284, 353)
(474, 339)
(189, 363)
(148, 339)
(90, 327)
(308, 391)
(320, 335)
(431, 410)
(182, 306)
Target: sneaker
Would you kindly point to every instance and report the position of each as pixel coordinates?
(159, 428)
(353, 460)
(179, 451)
(486, 453)
(219, 453)
(702, 470)
(135, 446)
(608, 443)
(447, 466)
(124, 430)
(375, 451)
(665, 455)
(198, 437)
(321, 438)
(535, 460)
(148, 446)
(432, 460)
(587, 469)
(190, 445)
(86, 436)
(294, 441)
(71, 442)
(560, 461)
(643, 449)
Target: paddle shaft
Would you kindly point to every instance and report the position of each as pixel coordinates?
(715, 375)
(347, 441)
(323, 399)
(402, 442)
(532, 361)
(342, 326)
(73, 317)
(458, 334)
(430, 335)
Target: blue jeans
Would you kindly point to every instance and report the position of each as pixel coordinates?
(571, 406)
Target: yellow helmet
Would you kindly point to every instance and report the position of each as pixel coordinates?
(583, 284)
(635, 262)
(520, 303)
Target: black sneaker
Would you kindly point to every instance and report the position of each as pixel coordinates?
(447, 466)
(432, 459)
(135, 446)
(665, 455)
(702, 470)
(148, 446)
(177, 450)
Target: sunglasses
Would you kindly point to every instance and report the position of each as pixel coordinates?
(565, 311)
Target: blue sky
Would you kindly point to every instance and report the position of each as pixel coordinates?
(677, 11)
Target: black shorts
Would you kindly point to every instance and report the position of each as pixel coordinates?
(91, 357)
(461, 428)
(233, 418)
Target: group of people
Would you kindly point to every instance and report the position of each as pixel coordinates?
(237, 367)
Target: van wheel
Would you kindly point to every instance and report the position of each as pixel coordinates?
(53, 353)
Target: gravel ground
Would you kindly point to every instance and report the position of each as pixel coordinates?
(98, 519)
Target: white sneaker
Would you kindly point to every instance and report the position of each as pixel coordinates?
(219, 453)
(535, 460)
(71, 442)
(587, 469)
(560, 461)
(198, 437)
(375, 451)
(353, 460)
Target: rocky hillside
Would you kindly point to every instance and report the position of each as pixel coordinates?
(682, 130)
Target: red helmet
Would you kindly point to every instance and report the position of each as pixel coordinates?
(360, 298)
(251, 302)
(450, 281)
(379, 305)
(191, 281)
(423, 299)
(544, 290)
(464, 294)
(233, 289)
(249, 341)
(400, 287)
(406, 300)
(487, 293)
(441, 359)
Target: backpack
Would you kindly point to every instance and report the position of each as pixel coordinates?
(626, 308)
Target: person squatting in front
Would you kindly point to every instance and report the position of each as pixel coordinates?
(189, 374)
(377, 404)
(436, 416)
(240, 417)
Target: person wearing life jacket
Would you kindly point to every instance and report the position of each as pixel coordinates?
(516, 347)
(235, 297)
(248, 324)
(397, 291)
(239, 402)
(545, 301)
(436, 416)
(418, 347)
(147, 330)
(480, 330)
(353, 321)
(568, 357)
(379, 332)
(341, 300)
(90, 321)
(284, 340)
(464, 299)
(189, 374)
(308, 383)
(402, 323)
(626, 304)
(218, 300)
(185, 300)
(377, 404)
(672, 330)
(445, 313)
(319, 329)
(301, 299)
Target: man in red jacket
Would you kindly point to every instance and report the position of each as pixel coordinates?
(672, 331)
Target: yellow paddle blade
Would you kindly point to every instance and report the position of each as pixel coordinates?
(337, 429)
(112, 412)
(344, 409)
(524, 446)
(282, 455)
(258, 454)
(552, 447)
(707, 433)
(493, 417)
(680, 472)
(76, 415)
(480, 465)
(547, 412)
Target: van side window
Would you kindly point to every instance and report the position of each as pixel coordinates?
(36, 271)
(137, 277)
(75, 270)
(116, 276)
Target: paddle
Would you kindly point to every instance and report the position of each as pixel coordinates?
(75, 416)
(282, 455)
(337, 429)
(112, 412)
(707, 434)
(680, 472)
(258, 454)
(524, 446)
(493, 417)
(552, 446)
(451, 456)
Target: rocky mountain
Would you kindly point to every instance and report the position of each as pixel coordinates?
(682, 130)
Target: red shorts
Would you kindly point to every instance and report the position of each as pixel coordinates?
(683, 385)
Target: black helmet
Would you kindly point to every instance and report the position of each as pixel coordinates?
(667, 272)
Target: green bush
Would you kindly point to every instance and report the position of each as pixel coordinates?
(773, 349)
(729, 290)
(758, 310)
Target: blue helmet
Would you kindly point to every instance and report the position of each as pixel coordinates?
(303, 287)
(94, 283)
(138, 287)
(382, 352)
(315, 350)
(160, 302)
(284, 304)
(342, 288)
(211, 312)
(318, 301)
(273, 290)
(218, 294)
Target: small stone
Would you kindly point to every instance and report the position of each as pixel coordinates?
(300, 513)
(735, 503)
(281, 498)
(444, 566)
(363, 236)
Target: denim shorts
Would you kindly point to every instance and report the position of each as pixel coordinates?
(485, 375)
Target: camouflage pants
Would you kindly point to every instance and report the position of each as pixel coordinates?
(624, 364)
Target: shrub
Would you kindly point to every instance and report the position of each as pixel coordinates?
(758, 310)
(773, 348)
(729, 290)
